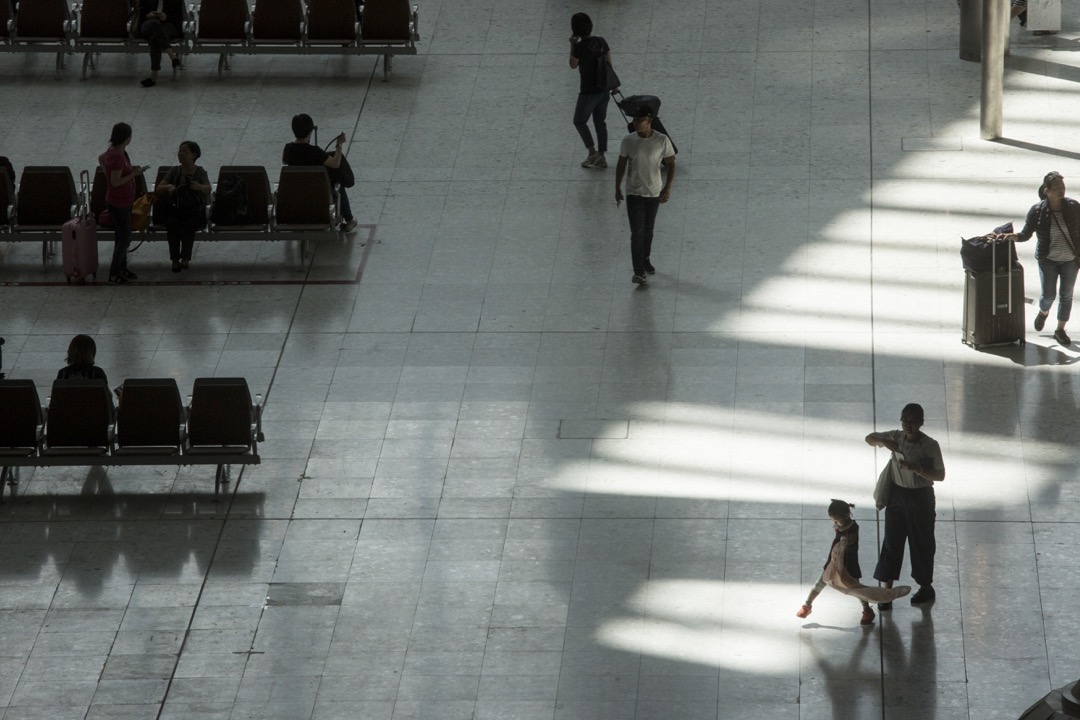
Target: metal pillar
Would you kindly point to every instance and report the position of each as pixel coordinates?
(995, 25)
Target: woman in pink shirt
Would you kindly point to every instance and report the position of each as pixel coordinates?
(119, 197)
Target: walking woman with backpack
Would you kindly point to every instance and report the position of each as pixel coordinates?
(591, 57)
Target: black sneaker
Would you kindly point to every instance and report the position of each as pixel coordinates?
(1040, 321)
(649, 268)
(1062, 338)
(884, 607)
(118, 280)
(926, 594)
(130, 275)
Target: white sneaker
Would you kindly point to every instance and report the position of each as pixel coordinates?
(600, 162)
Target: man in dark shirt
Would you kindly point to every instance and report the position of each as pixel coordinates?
(301, 152)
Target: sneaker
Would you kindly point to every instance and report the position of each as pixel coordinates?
(118, 280)
(926, 594)
(1062, 338)
(884, 607)
(588, 162)
(649, 268)
(639, 279)
(867, 617)
(176, 266)
(600, 162)
(130, 275)
(1040, 321)
(804, 611)
(349, 225)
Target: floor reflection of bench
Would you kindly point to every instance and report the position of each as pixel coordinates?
(80, 427)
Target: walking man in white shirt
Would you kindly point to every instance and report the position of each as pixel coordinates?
(640, 157)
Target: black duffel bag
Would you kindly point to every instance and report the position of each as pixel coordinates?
(979, 255)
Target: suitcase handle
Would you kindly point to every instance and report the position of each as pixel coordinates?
(84, 199)
(993, 284)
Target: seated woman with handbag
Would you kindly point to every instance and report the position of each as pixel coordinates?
(188, 188)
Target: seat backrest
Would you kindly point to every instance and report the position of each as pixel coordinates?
(7, 194)
(223, 20)
(159, 209)
(385, 20)
(5, 16)
(221, 412)
(79, 414)
(150, 414)
(277, 21)
(257, 185)
(105, 20)
(42, 19)
(303, 196)
(21, 418)
(46, 196)
(331, 20)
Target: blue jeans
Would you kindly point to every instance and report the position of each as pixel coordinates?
(596, 106)
(642, 214)
(1049, 273)
(121, 220)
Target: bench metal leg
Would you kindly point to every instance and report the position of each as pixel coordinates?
(8, 476)
(386, 67)
(222, 477)
(86, 62)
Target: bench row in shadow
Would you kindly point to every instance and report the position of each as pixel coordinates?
(220, 27)
(303, 205)
(80, 426)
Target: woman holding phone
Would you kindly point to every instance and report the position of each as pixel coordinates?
(911, 508)
(119, 197)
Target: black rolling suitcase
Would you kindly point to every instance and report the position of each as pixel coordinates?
(629, 105)
(993, 294)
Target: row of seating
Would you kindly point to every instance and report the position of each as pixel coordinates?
(80, 426)
(220, 27)
(303, 206)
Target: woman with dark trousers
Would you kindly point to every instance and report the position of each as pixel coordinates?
(1055, 221)
(119, 197)
(911, 509)
(159, 22)
(188, 187)
(586, 52)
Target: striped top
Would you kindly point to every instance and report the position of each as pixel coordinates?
(1060, 250)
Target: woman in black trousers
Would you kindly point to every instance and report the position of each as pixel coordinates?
(911, 508)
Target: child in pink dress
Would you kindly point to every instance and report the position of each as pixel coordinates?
(842, 571)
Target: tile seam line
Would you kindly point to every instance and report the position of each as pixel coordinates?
(873, 334)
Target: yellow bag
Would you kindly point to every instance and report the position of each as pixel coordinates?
(140, 211)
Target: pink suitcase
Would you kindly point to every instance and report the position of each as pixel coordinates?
(79, 248)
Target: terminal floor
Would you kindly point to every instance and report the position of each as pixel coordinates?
(502, 482)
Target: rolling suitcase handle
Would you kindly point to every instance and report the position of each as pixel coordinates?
(993, 284)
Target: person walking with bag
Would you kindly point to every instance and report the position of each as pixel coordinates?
(188, 187)
(591, 57)
(1055, 221)
(910, 510)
